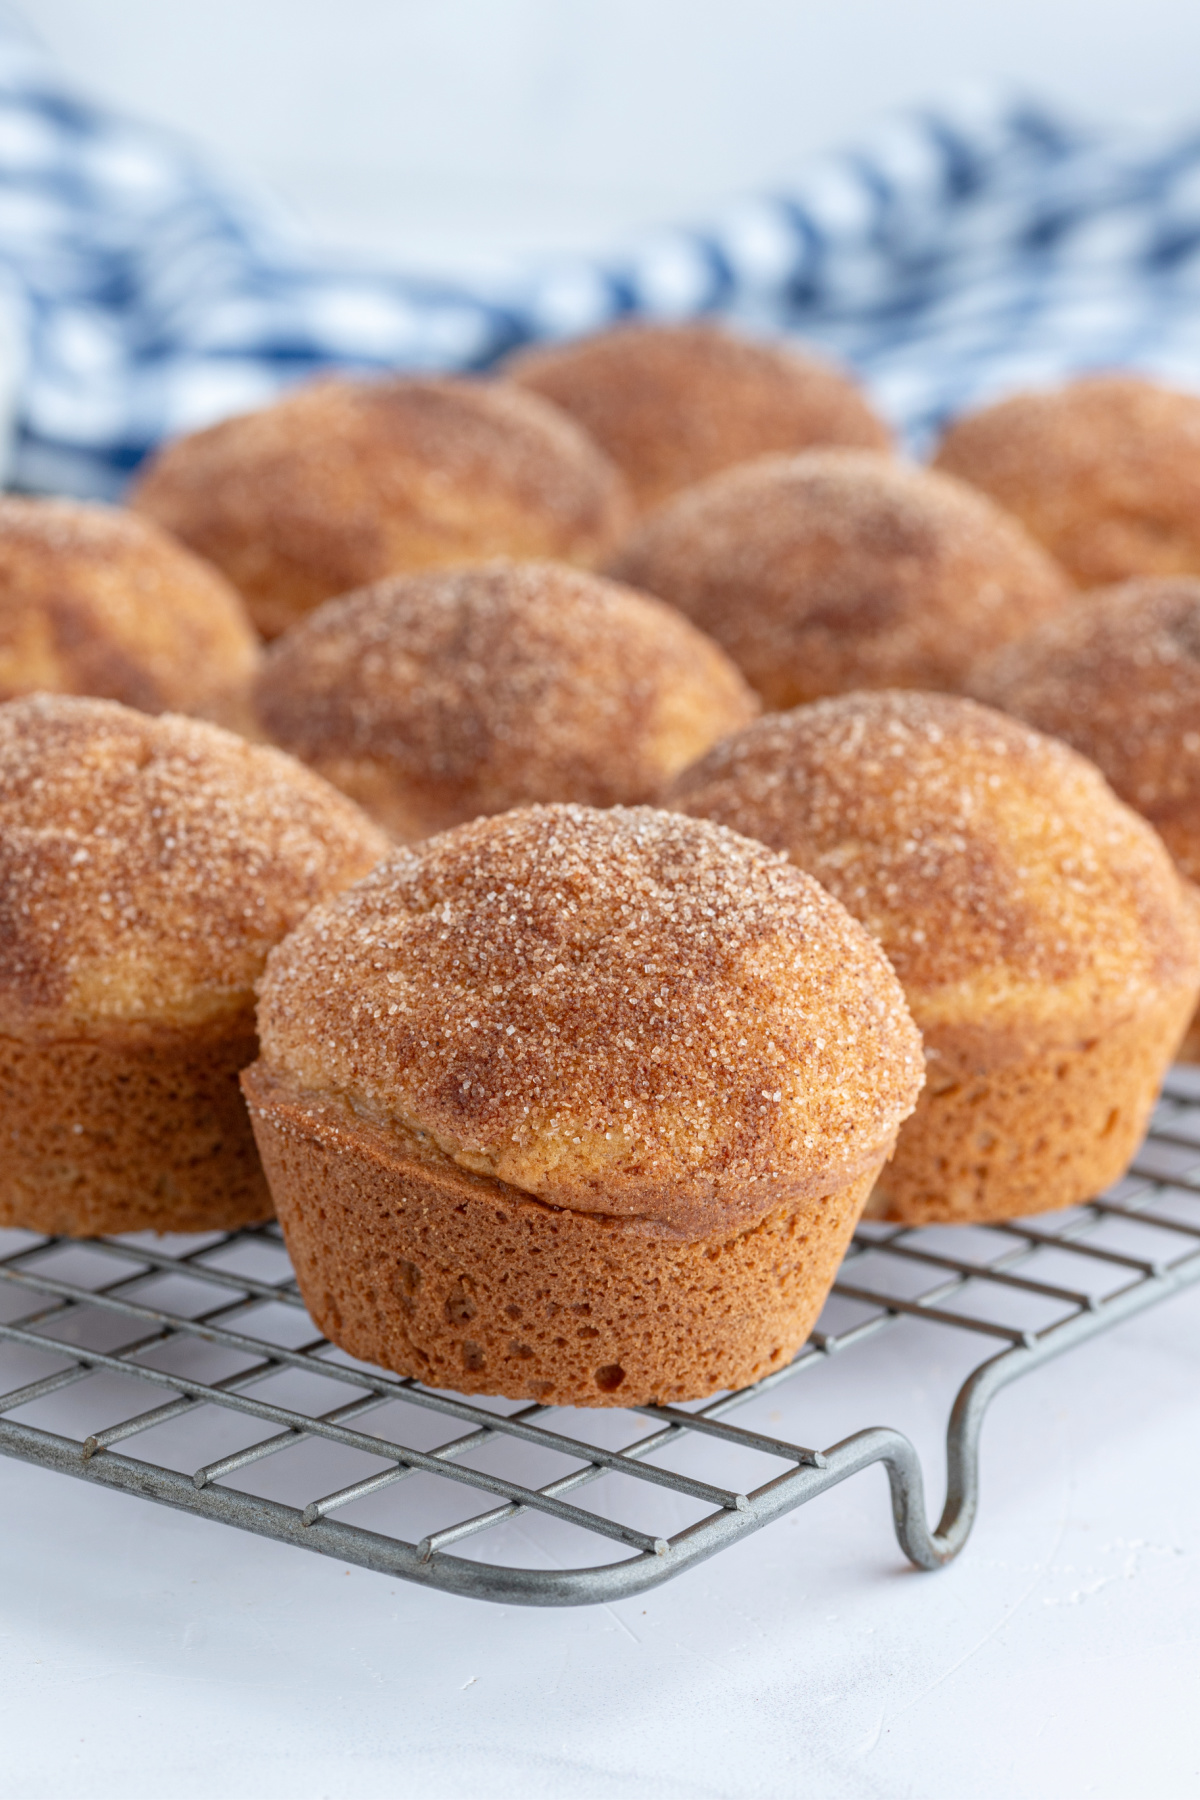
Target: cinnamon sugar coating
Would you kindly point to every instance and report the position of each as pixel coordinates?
(96, 601)
(1105, 472)
(147, 865)
(345, 481)
(624, 1012)
(840, 569)
(431, 699)
(1047, 947)
(672, 404)
(1118, 677)
(1015, 896)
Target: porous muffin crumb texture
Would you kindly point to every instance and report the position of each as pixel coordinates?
(138, 1128)
(1118, 677)
(835, 570)
(97, 601)
(673, 404)
(411, 1262)
(621, 1012)
(147, 865)
(431, 699)
(346, 481)
(1105, 472)
(1029, 1136)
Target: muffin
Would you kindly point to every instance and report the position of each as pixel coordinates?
(840, 569)
(96, 601)
(1118, 677)
(1047, 947)
(147, 865)
(345, 481)
(577, 1106)
(672, 404)
(1105, 472)
(433, 698)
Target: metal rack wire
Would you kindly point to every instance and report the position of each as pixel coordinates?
(216, 1331)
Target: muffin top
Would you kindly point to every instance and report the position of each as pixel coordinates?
(623, 1012)
(672, 404)
(1020, 903)
(345, 481)
(1118, 676)
(434, 698)
(147, 865)
(96, 601)
(1105, 472)
(840, 569)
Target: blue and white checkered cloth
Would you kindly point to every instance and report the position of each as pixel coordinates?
(963, 251)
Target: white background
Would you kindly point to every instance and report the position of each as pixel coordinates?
(147, 1654)
(435, 127)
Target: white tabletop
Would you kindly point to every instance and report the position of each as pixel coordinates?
(147, 1653)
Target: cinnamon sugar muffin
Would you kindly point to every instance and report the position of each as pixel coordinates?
(1047, 947)
(1105, 472)
(840, 569)
(577, 1106)
(1118, 677)
(672, 404)
(96, 601)
(347, 480)
(147, 865)
(434, 698)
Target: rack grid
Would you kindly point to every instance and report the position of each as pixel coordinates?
(213, 1333)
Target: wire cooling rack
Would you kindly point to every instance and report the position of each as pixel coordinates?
(255, 1421)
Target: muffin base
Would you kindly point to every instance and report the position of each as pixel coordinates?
(142, 1129)
(409, 1262)
(1027, 1137)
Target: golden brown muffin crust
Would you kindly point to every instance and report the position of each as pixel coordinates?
(137, 1128)
(1030, 1136)
(410, 1262)
(840, 569)
(1020, 903)
(431, 699)
(1105, 472)
(147, 865)
(346, 481)
(1118, 677)
(621, 1012)
(96, 601)
(672, 404)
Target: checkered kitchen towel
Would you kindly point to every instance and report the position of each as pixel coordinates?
(962, 251)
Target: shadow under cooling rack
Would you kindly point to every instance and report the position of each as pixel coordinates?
(187, 1371)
